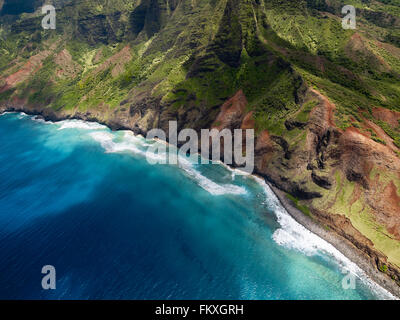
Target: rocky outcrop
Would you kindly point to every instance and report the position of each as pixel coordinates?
(150, 15)
(291, 124)
(100, 28)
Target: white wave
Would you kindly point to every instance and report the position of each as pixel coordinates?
(39, 119)
(293, 235)
(133, 143)
(234, 171)
(130, 137)
(105, 139)
(207, 184)
(80, 124)
(5, 112)
(22, 115)
(129, 142)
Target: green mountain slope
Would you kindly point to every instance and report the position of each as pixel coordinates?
(324, 101)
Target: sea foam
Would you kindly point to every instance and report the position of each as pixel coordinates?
(138, 145)
(79, 124)
(293, 235)
(207, 184)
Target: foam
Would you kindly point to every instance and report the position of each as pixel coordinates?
(293, 235)
(104, 138)
(133, 143)
(234, 171)
(130, 137)
(129, 143)
(22, 115)
(207, 184)
(39, 119)
(80, 124)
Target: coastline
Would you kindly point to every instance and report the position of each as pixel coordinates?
(361, 259)
(344, 246)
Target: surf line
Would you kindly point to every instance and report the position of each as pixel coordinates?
(235, 151)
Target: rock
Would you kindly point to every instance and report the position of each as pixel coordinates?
(323, 182)
(293, 124)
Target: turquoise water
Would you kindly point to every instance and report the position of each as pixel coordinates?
(84, 199)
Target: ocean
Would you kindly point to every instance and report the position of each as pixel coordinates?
(82, 198)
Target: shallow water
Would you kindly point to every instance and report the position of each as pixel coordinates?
(84, 199)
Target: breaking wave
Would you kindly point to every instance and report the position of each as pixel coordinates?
(137, 145)
(79, 124)
(293, 235)
(209, 185)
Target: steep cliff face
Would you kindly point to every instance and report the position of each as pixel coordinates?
(324, 101)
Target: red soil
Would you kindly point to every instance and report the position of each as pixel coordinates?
(231, 112)
(381, 134)
(328, 110)
(389, 203)
(248, 121)
(389, 116)
(28, 69)
(264, 141)
(359, 154)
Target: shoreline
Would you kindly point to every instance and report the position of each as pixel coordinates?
(344, 246)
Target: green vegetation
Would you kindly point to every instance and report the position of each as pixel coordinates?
(344, 202)
(299, 206)
(383, 268)
(304, 113)
(393, 133)
(190, 57)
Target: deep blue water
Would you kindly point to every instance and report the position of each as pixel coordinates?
(84, 199)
